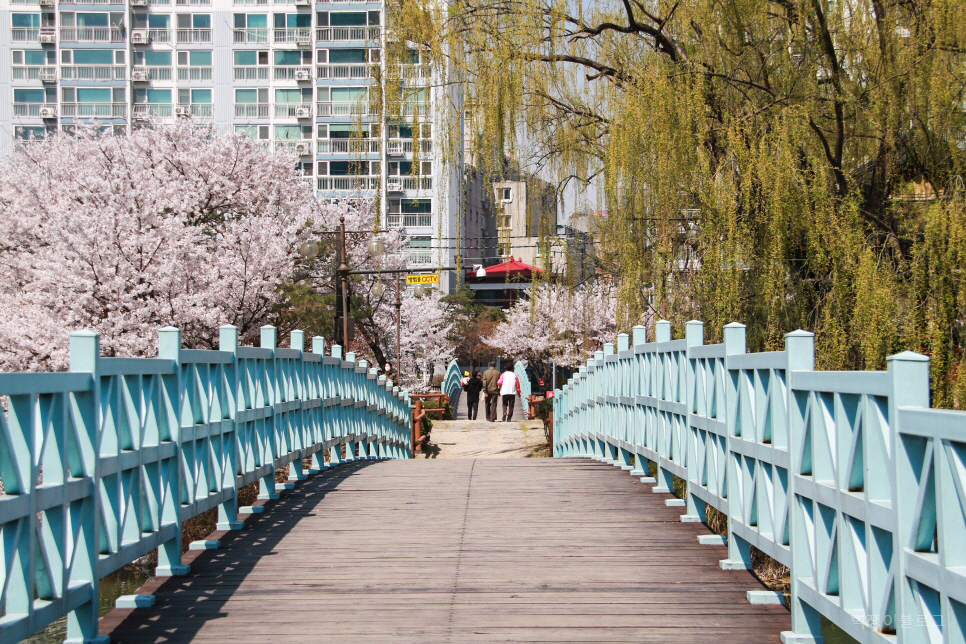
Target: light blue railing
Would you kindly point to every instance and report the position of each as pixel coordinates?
(102, 464)
(520, 369)
(848, 478)
(451, 384)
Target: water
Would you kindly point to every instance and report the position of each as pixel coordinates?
(121, 582)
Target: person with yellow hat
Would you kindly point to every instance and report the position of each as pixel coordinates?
(466, 378)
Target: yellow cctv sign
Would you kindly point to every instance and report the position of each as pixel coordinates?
(422, 279)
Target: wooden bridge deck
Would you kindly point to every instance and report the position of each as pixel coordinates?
(475, 550)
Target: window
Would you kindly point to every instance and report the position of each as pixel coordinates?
(92, 56)
(256, 132)
(194, 65)
(292, 58)
(152, 58)
(31, 132)
(305, 167)
(34, 64)
(159, 21)
(251, 103)
(293, 132)
(350, 168)
(194, 96)
(503, 250)
(293, 95)
(21, 95)
(251, 65)
(251, 21)
(410, 213)
(504, 194)
(293, 20)
(25, 20)
(194, 21)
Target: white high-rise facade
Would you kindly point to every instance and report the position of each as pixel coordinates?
(294, 74)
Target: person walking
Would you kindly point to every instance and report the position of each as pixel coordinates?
(492, 390)
(473, 387)
(509, 390)
(465, 379)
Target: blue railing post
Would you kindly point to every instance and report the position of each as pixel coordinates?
(695, 507)
(266, 487)
(665, 480)
(806, 621)
(347, 409)
(169, 552)
(919, 463)
(228, 511)
(739, 550)
(85, 351)
(297, 343)
(318, 458)
(638, 340)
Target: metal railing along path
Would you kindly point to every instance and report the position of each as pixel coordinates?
(848, 478)
(520, 369)
(101, 465)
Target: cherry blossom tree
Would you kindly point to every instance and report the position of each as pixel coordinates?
(558, 323)
(170, 225)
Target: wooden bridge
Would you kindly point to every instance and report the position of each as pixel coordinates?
(465, 550)
(850, 479)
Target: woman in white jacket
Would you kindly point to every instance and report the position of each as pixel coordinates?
(509, 389)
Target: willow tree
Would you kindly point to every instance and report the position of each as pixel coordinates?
(785, 163)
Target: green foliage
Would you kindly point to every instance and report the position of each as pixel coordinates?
(431, 403)
(782, 163)
(544, 408)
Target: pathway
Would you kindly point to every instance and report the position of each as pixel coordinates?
(461, 550)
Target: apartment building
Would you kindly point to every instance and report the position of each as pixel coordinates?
(294, 74)
(526, 218)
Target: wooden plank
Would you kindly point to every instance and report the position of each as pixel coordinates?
(485, 550)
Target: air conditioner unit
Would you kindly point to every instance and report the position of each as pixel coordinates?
(139, 3)
(394, 185)
(303, 74)
(140, 37)
(303, 3)
(182, 110)
(301, 148)
(49, 38)
(139, 75)
(48, 112)
(303, 41)
(303, 113)
(48, 76)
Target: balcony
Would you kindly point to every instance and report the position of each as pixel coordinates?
(250, 36)
(337, 34)
(417, 183)
(193, 3)
(251, 73)
(194, 73)
(293, 36)
(94, 110)
(409, 221)
(93, 72)
(398, 147)
(159, 36)
(194, 109)
(293, 110)
(37, 73)
(293, 73)
(147, 110)
(354, 108)
(344, 71)
(348, 146)
(347, 183)
(397, 108)
(411, 73)
(294, 146)
(250, 3)
(251, 111)
(18, 34)
(194, 36)
(91, 34)
(154, 73)
(33, 110)
(420, 255)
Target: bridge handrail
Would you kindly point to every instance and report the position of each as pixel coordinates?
(114, 455)
(451, 384)
(848, 478)
(520, 369)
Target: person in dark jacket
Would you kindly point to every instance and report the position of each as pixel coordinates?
(473, 387)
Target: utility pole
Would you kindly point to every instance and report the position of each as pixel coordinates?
(398, 322)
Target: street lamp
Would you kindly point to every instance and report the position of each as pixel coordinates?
(419, 291)
(377, 289)
(480, 271)
(309, 250)
(376, 247)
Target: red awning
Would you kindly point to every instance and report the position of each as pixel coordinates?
(512, 268)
